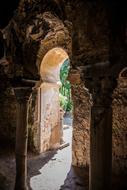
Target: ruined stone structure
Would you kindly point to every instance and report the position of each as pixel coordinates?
(93, 35)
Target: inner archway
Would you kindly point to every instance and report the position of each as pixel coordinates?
(53, 74)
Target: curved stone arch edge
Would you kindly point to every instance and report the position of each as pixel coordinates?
(43, 51)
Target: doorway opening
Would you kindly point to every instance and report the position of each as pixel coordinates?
(54, 98)
(55, 120)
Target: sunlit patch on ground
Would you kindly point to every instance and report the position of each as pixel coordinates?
(53, 174)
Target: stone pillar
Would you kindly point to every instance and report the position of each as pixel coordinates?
(49, 116)
(81, 120)
(101, 135)
(22, 95)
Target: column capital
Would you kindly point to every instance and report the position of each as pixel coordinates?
(22, 93)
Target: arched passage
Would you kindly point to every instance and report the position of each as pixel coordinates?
(49, 102)
(53, 71)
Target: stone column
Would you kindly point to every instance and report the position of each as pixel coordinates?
(101, 135)
(22, 95)
(81, 120)
(50, 117)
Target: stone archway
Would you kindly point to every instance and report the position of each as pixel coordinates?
(48, 101)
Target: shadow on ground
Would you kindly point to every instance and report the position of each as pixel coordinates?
(77, 179)
(35, 163)
(7, 166)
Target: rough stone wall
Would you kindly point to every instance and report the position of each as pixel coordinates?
(81, 126)
(90, 35)
(120, 127)
(81, 120)
(35, 28)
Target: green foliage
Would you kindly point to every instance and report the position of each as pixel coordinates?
(69, 105)
(64, 71)
(63, 101)
(65, 90)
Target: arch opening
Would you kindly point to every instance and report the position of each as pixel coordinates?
(54, 98)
